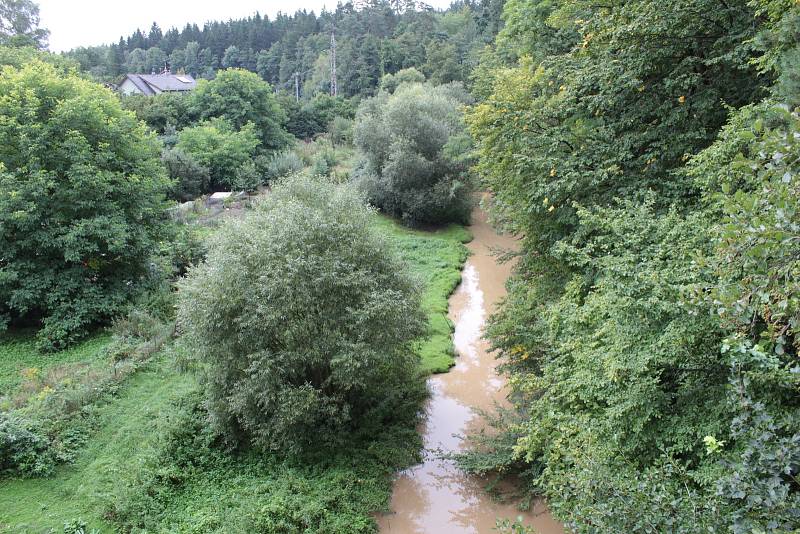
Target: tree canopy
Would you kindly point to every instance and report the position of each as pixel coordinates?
(372, 39)
(19, 24)
(241, 97)
(81, 197)
(647, 153)
(415, 154)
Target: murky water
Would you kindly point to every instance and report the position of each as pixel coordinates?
(435, 497)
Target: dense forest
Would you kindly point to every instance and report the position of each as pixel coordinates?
(645, 154)
(372, 39)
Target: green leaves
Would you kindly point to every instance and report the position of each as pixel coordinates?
(654, 304)
(241, 97)
(304, 321)
(415, 154)
(81, 200)
(215, 145)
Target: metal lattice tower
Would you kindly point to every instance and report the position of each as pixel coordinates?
(334, 90)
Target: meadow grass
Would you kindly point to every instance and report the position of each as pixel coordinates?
(126, 432)
(18, 352)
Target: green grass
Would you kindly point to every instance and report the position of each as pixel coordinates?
(18, 351)
(82, 490)
(126, 460)
(436, 258)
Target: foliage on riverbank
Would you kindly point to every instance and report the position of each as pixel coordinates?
(648, 152)
(177, 475)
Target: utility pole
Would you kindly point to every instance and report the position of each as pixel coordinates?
(334, 90)
(297, 87)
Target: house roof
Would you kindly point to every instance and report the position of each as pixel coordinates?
(150, 84)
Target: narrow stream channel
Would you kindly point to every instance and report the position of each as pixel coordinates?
(434, 497)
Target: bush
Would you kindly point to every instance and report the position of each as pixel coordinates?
(81, 202)
(217, 146)
(23, 449)
(320, 167)
(190, 179)
(414, 152)
(307, 119)
(341, 131)
(283, 164)
(247, 177)
(161, 111)
(303, 319)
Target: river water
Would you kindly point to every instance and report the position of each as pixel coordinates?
(434, 497)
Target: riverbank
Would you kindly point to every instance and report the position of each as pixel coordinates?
(130, 475)
(435, 496)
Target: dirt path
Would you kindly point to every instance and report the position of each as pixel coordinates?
(435, 497)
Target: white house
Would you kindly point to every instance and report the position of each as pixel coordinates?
(153, 84)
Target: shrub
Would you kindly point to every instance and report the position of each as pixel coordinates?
(217, 146)
(303, 319)
(341, 131)
(23, 449)
(320, 166)
(414, 152)
(81, 202)
(308, 119)
(247, 177)
(190, 179)
(283, 164)
(161, 111)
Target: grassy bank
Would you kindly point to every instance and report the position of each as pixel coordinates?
(20, 358)
(436, 258)
(126, 430)
(146, 465)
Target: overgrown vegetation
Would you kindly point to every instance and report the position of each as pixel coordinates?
(647, 153)
(182, 472)
(649, 330)
(302, 320)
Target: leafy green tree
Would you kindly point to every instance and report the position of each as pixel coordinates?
(231, 59)
(160, 111)
(390, 82)
(304, 320)
(239, 97)
(191, 59)
(81, 200)
(190, 179)
(649, 327)
(414, 151)
(219, 148)
(18, 57)
(136, 61)
(19, 24)
(155, 60)
(442, 65)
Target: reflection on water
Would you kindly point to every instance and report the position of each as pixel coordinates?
(434, 496)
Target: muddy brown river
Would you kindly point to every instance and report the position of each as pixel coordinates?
(435, 497)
